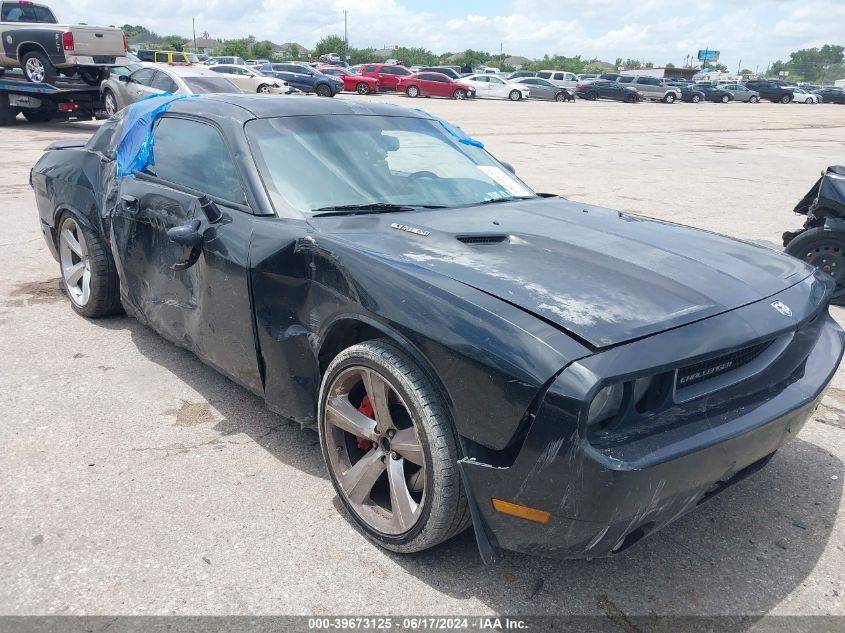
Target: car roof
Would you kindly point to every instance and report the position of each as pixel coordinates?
(250, 106)
(181, 71)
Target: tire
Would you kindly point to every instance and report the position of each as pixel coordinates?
(630, 99)
(825, 250)
(93, 76)
(434, 506)
(412, 91)
(37, 68)
(323, 90)
(560, 96)
(7, 112)
(695, 99)
(515, 95)
(362, 88)
(103, 294)
(785, 99)
(669, 97)
(110, 103)
(591, 96)
(725, 99)
(754, 100)
(263, 89)
(460, 94)
(36, 116)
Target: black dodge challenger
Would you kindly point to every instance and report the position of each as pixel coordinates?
(566, 378)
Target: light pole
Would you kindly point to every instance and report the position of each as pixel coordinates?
(345, 31)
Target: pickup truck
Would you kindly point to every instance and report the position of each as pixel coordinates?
(33, 40)
(652, 88)
(772, 90)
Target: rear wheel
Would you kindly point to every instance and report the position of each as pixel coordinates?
(560, 96)
(460, 94)
(362, 88)
(515, 95)
(110, 103)
(263, 88)
(591, 96)
(323, 90)
(390, 448)
(630, 99)
(785, 99)
(36, 116)
(93, 76)
(37, 68)
(825, 250)
(695, 99)
(753, 99)
(412, 91)
(88, 272)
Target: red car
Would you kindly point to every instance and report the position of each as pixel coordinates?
(388, 75)
(434, 85)
(352, 82)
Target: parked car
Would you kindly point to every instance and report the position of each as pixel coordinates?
(33, 40)
(689, 93)
(771, 90)
(119, 91)
(257, 62)
(652, 88)
(741, 93)
(304, 78)
(493, 87)
(605, 89)
(443, 70)
(560, 78)
(831, 95)
(367, 274)
(330, 58)
(387, 74)
(351, 82)
(250, 80)
(172, 58)
(519, 74)
(584, 77)
(225, 59)
(714, 94)
(545, 89)
(434, 85)
(803, 95)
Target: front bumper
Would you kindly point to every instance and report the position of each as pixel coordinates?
(601, 499)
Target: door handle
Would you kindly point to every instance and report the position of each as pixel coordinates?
(130, 203)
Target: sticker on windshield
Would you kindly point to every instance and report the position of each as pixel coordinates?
(503, 178)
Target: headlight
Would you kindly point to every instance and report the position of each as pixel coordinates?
(606, 404)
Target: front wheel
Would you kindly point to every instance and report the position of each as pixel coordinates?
(110, 103)
(630, 99)
(785, 99)
(263, 89)
(390, 448)
(323, 91)
(725, 99)
(515, 95)
(412, 91)
(561, 96)
(669, 98)
(88, 272)
(591, 96)
(695, 99)
(754, 100)
(37, 68)
(460, 94)
(362, 88)
(825, 250)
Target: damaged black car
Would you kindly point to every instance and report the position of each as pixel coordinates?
(566, 379)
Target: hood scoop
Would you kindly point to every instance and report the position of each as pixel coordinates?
(479, 240)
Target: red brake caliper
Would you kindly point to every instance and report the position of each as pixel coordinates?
(367, 409)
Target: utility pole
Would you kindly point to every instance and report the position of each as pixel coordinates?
(345, 30)
(738, 67)
(194, 29)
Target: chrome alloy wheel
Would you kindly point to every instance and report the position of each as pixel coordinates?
(35, 70)
(374, 450)
(76, 266)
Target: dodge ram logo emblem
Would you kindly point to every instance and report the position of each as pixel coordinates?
(781, 307)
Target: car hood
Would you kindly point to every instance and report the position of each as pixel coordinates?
(605, 277)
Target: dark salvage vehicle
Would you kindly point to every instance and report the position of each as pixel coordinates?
(566, 378)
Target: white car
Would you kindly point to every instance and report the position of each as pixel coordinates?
(804, 96)
(493, 87)
(561, 78)
(250, 80)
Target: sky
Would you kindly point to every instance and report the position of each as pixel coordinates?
(751, 32)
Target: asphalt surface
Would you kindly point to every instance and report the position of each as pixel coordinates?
(136, 480)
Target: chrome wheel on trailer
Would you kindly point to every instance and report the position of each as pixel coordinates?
(35, 70)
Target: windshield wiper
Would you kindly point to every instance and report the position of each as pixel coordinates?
(508, 199)
(370, 207)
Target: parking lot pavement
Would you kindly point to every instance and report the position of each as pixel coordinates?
(135, 480)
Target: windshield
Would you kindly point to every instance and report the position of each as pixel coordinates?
(205, 85)
(315, 163)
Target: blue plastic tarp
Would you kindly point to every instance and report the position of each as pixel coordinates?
(454, 130)
(135, 146)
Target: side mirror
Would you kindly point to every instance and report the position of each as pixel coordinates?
(508, 166)
(124, 78)
(186, 234)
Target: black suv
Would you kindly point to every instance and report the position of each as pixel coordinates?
(771, 90)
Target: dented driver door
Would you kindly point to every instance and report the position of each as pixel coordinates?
(180, 233)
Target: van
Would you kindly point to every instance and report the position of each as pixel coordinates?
(173, 58)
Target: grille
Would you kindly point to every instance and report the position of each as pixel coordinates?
(705, 370)
(482, 239)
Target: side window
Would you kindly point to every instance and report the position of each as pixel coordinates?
(544, 75)
(482, 79)
(625, 80)
(143, 76)
(495, 80)
(145, 56)
(162, 82)
(26, 12)
(161, 58)
(181, 58)
(368, 69)
(559, 76)
(179, 145)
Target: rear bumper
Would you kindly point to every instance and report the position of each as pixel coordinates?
(88, 60)
(601, 500)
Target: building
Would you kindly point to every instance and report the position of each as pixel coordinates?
(204, 45)
(661, 72)
(144, 41)
(517, 61)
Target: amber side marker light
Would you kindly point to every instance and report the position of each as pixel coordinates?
(523, 512)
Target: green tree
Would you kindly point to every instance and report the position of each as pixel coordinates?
(132, 30)
(293, 51)
(261, 50)
(745, 72)
(330, 44)
(174, 42)
(240, 47)
(670, 65)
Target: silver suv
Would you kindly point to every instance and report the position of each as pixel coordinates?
(652, 88)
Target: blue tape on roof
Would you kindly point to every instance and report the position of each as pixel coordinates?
(135, 147)
(454, 130)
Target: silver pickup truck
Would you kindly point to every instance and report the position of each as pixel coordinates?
(32, 39)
